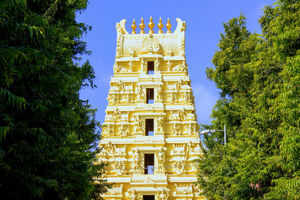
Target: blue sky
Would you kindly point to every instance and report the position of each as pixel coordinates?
(204, 20)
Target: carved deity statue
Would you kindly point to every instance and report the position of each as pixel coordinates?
(139, 196)
(119, 166)
(132, 195)
(116, 68)
(179, 166)
(143, 62)
(179, 68)
(124, 130)
(187, 148)
(131, 63)
(169, 65)
(161, 160)
(110, 148)
(160, 122)
(117, 115)
(163, 195)
(159, 94)
(177, 129)
(141, 93)
(156, 65)
(137, 161)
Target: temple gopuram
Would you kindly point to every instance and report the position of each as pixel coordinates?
(150, 134)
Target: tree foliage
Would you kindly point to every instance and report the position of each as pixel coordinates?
(47, 133)
(259, 78)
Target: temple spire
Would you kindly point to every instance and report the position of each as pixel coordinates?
(151, 25)
(142, 26)
(133, 26)
(168, 26)
(160, 26)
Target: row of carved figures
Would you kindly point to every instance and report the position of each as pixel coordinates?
(122, 167)
(178, 167)
(161, 194)
(172, 97)
(174, 129)
(170, 67)
(117, 150)
(125, 116)
(119, 85)
(177, 162)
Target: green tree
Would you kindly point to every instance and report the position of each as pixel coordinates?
(259, 78)
(47, 133)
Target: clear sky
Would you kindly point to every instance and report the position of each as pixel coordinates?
(204, 19)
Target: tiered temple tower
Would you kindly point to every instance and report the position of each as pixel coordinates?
(150, 134)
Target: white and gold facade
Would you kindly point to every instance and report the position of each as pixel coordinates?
(150, 134)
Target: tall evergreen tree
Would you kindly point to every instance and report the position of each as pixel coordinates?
(47, 133)
(259, 78)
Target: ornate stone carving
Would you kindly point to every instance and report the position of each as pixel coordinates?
(150, 45)
(120, 167)
(161, 160)
(124, 130)
(191, 116)
(156, 65)
(132, 195)
(141, 93)
(181, 25)
(169, 65)
(160, 122)
(121, 29)
(183, 189)
(177, 129)
(179, 166)
(143, 65)
(138, 162)
(115, 190)
(116, 68)
(196, 190)
(111, 99)
(163, 195)
(179, 68)
(111, 148)
(123, 69)
(159, 95)
(131, 64)
(117, 115)
(139, 196)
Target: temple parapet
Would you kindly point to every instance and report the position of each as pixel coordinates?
(164, 43)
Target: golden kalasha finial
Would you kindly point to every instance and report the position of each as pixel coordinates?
(168, 26)
(142, 26)
(160, 26)
(133, 26)
(151, 26)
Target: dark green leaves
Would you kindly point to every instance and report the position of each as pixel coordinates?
(259, 78)
(48, 134)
